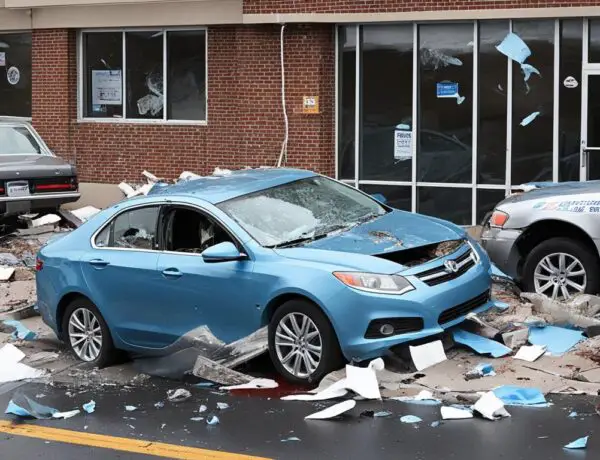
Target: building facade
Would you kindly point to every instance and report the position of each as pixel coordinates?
(443, 107)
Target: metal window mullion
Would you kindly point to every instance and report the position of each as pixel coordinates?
(336, 102)
(124, 77)
(165, 56)
(509, 88)
(357, 107)
(475, 114)
(583, 139)
(555, 121)
(81, 97)
(415, 121)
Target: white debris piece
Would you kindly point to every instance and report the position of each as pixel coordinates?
(491, 407)
(256, 384)
(66, 415)
(336, 390)
(454, 413)
(11, 370)
(6, 273)
(363, 380)
(188, 175)
(127, 190)
(333, 411)
(178, 395)
(151, 177)
(85, 213)
(48, 219)
(530, 353)
(427, 355)
(221, 172)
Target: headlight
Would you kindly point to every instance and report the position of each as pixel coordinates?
(498, 219)
(373, 282)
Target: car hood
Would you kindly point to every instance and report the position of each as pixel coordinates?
(551, 190)
(396, 230)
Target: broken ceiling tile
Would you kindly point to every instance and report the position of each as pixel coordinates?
(255, 384)
(130, 408)
(21, 332)
(332, 411)
(490, 407)
(529, 118)
(580, 443)
(178, 395)
(530, 353)
(363, 380)
(512, 395)
(66, 415)
(222, 406)
(202, 409)
(480, 344)
(410, 419)
(454, 413)
(383, 413)
(528, 69)
(89, 407)
(427, 355)
(212, 420)
(558, 340)
(425, 397)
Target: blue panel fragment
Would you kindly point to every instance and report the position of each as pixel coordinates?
(558, 340)
(480, 344)
(512, 395)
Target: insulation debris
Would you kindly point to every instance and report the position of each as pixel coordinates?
(530, 353)
(480, 344)
(490, 407)
(454, 413)
(557, 340)
(580, 443)
(427, 355)
(20, 332)
(332, 411)
(512, 395)
(48, 219)
(178, 395)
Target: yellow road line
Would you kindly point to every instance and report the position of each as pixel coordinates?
(140, 446)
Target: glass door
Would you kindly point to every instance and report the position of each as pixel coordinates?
(590, 126)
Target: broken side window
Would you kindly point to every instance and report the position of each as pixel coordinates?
(103, 73)
(135, 229)
(186, 67)
(15, 75)
(191, 231)
(144, 60)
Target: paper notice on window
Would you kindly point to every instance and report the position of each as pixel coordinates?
(107, 87)
(2, 59)
(402, 145)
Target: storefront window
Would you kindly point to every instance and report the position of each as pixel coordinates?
(533, 104)
(132, 86)
(347, 97)
(493, 76)
(15, 75)
(445, 103)
(387, 85)
(398, 197)
(453, 204)
(486, 201)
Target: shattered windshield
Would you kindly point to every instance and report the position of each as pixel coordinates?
(301, 211)
(17, 140)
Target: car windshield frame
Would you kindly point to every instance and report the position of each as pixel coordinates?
(38, 147)
(289, 214)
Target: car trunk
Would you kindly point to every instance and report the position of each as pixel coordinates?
(22, 175)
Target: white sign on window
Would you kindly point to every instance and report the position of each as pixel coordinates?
(402, 145)
(107, 87)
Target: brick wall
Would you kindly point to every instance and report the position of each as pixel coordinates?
(389, 6)
(245, 120)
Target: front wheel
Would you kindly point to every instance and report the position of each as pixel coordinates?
(302, 343)
(561, 268)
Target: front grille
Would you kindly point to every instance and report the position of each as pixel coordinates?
(401, 326)
(439, 275)
(464, 308)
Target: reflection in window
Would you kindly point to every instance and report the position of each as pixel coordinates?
(103, 81)
(15, 75)
(347, 97)
(594, 43)
(398, 197)
(387, 62)
(453, 204)
(144, 74)
(569, 124)
(491, 133)
(532, 144)
(486, 201)
(186, 57)
(445, 102)
(593, 127)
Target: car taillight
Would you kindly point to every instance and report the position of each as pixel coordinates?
(498, 219)
(54, 187)
(39, 264)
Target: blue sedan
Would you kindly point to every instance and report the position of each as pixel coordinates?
(335, 274)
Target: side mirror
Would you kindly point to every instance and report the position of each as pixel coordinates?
(379, 197)
(222, 252)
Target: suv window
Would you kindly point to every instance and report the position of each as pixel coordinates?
(192, 232)
(135, 229)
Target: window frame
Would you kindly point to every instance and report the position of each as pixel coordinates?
(81, 118)
(17, 32)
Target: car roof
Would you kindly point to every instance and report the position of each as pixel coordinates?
(13, 121)
(216, 189)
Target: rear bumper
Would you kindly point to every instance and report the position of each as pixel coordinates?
(21, 204)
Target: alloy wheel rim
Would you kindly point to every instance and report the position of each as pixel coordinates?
(298, 344)
(560, 276)
(85, 334)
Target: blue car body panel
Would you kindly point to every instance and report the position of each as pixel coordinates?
(147, 311)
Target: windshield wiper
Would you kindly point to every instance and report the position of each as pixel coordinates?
(303, 239)
(368, 217)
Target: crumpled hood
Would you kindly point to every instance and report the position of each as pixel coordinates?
(550, 191)
(395, 231)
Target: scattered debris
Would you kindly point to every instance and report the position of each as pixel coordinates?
(222, 406)
(196, 419)
(89, 407)
(580, 443)
(48, 219)
(337, 390)
(480, 344)
(491, 407)
(435, 424)
(212, 420)
(178, 395)
(6, 273)
(66, 415)
(24, 406)
(383, 413)
(11, 369)
(202, 409)
(425, 397)
(481, 370)
(255, 384)
(512, 395)
(363, 381)
(515, 339)
(558, 340)
(573, 414)
(291, 438)
(454, 413)
(221, 172)
(427, 355)
(332, 411)
(530, 353)
(21, 332)
(159, 404)
(8, 259)
(130, 408)
(410, 419)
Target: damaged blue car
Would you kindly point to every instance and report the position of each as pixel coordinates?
(333, 273)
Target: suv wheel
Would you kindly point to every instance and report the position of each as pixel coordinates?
(561, 268)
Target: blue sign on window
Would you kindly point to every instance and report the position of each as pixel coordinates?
(447, 89)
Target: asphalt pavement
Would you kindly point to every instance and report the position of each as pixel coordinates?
(257, 423)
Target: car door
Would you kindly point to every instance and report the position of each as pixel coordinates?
(194, 293)
(121, 274)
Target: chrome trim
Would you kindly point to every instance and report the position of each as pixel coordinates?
(444, 272)
(49, 196)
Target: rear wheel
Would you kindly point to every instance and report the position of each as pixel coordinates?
(302, 343)
(561, 268)
(86, 333)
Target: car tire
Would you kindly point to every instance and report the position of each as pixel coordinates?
(319, 332)
(574, 251)
(101, 351)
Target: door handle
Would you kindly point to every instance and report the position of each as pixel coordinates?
(98, 263)
(171, 273)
